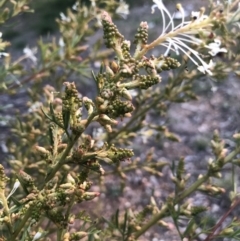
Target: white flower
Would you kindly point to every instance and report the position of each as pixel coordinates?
(99, 135)
(123, 9)
(146, 133)
(177, 43)
(179, 15)
(37, 236)
(133, 92)
(30, 53)
(75, 6)
(172, 44)
(4, 54)
(198, 16)
(215, 47)
(64, 18)
(180, 10)
(34, 107)
(180, 42)
(206, 68)
(93, 3)
(61, 44)
(99, 20)
(159, 4)
(15, 187)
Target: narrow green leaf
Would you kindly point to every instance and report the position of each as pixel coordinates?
(125, 222)
(66, 118)
(101, 68)
(94, 76)
(116, 218)
(189, 227)
(52, 112)
(49, 117)
(51, 139)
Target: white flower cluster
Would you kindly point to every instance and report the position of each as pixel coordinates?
(180, 42)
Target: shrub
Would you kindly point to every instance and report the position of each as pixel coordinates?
(67, 141)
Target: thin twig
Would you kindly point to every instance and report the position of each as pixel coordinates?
(212, 234)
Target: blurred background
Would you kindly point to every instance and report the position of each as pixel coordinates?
(26, 28)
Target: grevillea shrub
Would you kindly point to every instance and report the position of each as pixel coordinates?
(63, 148)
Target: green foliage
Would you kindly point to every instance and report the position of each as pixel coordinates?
(54, 155)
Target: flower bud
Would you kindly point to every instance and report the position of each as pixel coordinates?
(90, 195)
(124, 92)
(42, 150)
(108, 128)
(70, 179)
(114, 67)
(67, 186)
(226, 231)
